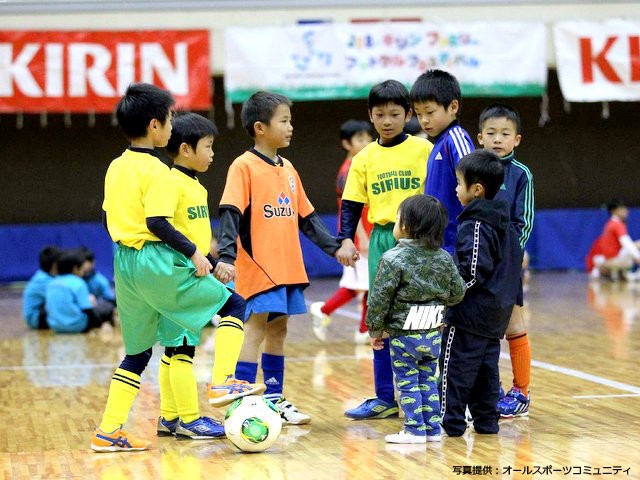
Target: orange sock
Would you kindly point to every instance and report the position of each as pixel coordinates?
(520, 352)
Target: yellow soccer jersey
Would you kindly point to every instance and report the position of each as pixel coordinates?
(137, 185)
(382, 177)
(191, 216)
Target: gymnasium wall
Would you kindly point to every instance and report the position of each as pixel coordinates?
(55, 173)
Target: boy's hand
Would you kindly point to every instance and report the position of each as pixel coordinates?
(376, 343)
(203, 266)
(347, 255)
(224, 272)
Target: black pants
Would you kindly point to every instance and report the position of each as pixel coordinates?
(101, 313)
(469, 375)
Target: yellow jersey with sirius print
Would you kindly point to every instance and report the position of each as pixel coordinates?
(191, 216)
(382, 177)
(137, 185)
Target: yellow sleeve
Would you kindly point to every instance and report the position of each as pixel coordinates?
(356, 187)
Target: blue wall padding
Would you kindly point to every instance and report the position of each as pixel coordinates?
(560, 240)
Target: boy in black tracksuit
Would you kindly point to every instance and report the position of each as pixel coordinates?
(488, 257)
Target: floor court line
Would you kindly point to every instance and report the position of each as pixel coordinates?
(631, 389)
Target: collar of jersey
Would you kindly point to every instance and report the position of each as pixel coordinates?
(150, 151)
(187, 171)
(267, 159)
(397, 140)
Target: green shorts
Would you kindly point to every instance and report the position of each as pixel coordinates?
(381, 240)
(159, 295)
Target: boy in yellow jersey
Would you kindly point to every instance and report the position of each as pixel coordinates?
(382, 175)
(153, 277)
(190, 147)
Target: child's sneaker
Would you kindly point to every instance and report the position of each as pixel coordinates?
(290, 414)
(405, 437)
(319, 321)
(200, 429)
(167, 428)
(514, 404)
(117, 441)
(373, 408)
(232, 389)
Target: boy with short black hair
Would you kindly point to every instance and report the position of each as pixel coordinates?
(190, 148)
(262, 209)
(33, 297)
(99, 285)
(70, 306)
(436, 99)
(381, 176)
(158, 271)
(489, 259)
(500, 132)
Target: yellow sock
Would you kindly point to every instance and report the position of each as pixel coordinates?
(168, 407)
(185, 388)
(122, 393)
(229, 338)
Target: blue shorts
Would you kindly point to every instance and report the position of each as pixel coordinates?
(277, 302)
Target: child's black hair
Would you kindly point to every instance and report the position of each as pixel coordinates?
(436, 86)
(424, 217)
(389, 91)
(483, 167)
(351, 127)
(412, 127)
(141, 103)
(614, 204)
(499, 110)
(189, 128)
(48, 257)
(88, 253)
(260, 107)
(70, 259)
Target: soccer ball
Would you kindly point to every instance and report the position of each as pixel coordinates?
(252, 423)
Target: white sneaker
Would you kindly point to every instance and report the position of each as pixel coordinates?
(360, 338)
(319, 321)
(290, 414)
(405, 437)
(434, 438)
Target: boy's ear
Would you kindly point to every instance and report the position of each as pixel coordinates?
(454, 106)
(259, 128)
(184, 149)
(408, 116)
(346, 144)
(478, 190)
(517, 140)
(480, 140)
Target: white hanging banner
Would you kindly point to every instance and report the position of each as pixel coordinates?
(333, 61)
(598, 61)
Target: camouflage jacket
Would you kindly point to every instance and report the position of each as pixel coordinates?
(412, 287)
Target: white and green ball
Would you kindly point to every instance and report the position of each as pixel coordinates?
(252, 423)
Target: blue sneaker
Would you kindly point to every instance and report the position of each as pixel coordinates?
(514, 404)
(373, 408)
(200, 429)
(167, 428)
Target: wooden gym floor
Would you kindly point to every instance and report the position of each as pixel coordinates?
(584, 422)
